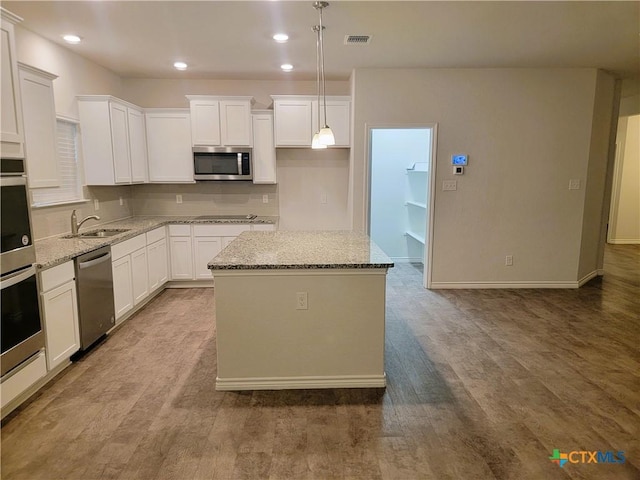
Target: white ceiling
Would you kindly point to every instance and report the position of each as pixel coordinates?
(232, 40)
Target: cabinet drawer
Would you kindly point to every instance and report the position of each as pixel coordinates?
(180, 230)
(21, 380)
(219, 230)
(56, 276)
(124, 248)
(155, 235)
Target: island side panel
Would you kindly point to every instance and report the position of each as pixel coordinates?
(264, 342)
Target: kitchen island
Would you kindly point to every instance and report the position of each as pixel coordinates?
(300, 310)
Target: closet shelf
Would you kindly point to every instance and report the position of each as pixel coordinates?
(419, 167)
(416, 204)
(416, 237)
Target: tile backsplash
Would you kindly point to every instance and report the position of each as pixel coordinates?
(204, 198)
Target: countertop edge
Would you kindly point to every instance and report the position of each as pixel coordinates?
(154, 222)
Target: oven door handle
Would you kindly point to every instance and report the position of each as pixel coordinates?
(13, 181)
(17, 277)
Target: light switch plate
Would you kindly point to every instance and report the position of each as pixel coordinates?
(574, 184)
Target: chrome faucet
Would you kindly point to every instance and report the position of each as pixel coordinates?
(75, 226)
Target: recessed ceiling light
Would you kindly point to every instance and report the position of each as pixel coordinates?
(180, 66)
(287, 67)
(73, 39)
(281, 37)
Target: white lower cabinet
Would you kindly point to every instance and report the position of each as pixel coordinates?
(157, 258)
(139, 268)
(191, 248)
(204, 249)
(139, 275)
(122, 286)
(60, 313)
(181, 252)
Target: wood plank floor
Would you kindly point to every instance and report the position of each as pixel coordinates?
(482, 384)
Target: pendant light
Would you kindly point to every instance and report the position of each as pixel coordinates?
(315, 142)
(325, 135)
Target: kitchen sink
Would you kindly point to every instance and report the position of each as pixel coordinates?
(100, 233)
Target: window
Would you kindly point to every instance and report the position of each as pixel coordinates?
(70, 189)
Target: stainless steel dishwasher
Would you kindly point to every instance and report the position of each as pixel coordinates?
(95, 295)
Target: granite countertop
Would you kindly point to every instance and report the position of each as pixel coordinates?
(56, 250)
(300, 250)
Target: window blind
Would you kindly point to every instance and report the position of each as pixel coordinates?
(70, 189)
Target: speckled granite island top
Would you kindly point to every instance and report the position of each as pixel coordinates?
(55, 250)
(300, 250)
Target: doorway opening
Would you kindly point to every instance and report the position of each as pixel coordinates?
(401, 192)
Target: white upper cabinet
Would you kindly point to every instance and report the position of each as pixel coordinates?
(220, 121)
(292, 117)
(39, 115)
(113, 141)
(264, 150)
(11, 133)
(338, 118)
(296, 119)
(169, 145)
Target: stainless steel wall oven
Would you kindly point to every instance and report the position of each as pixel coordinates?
(21, 328)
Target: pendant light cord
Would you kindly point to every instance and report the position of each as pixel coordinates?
(324, 88)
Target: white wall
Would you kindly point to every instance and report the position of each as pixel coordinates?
(527, 133)
(624, 224)
(76, 75)
(305, 178)
(393, 151)
(171, 93)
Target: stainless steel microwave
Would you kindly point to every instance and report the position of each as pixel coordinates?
(222, 163)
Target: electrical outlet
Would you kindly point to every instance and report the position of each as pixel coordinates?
(178, 198)
(508, 260)
(574, 184)
(96, 204)
(323, 198)
(265, 198)
(121, 201)
(449, 185)
(301, 301)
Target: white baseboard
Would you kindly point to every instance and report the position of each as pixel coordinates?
(590, 276)
(479, 285)
(624, 241)
(189, 284)
(296, 383)
(406, 259)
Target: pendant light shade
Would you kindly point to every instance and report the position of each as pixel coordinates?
(325, 136)
(316, 143)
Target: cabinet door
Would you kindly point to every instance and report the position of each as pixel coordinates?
(157, 256)
(11, 135)
(137, 146)
(264, 151)
(181, 253)
(205, 248)
(338, 118)
(235, 123)
(39, 127)
(139, 275)
(60, 311)
(120, 143)
(205, 122)
(292, 123)
(169, 147)
(122, 286)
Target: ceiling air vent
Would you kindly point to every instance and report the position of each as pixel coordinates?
(357, 39)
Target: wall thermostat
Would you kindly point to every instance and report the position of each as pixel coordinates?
(459, 159)
(458, 170)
